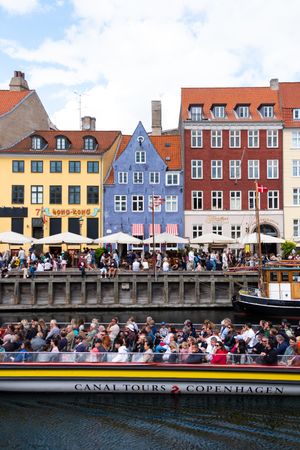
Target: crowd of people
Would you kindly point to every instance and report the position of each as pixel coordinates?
(151, 342)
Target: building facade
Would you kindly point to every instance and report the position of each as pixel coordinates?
(231, 137)
(146, 167)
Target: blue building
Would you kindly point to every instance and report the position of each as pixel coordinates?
(145, 167)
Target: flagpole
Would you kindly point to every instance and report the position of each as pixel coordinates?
(153, 238)
(258, 236)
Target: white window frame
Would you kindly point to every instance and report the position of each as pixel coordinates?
(272, 138)
(296, 196)
(296, 227)
(36, 143)
(137, 200)
(196, 113)
(137, 177)
(216, 139)
(172, 179)
(120, 203)
(157, 207)
(196, 139)
(235, 138)
(197, 196)
(252, 199)
(217, 197)
(155, 175)
(197, 230)
(296, 114)
(37, 194)
(243, 111)
(197, 167)
(253, 166)
(140, 157)
(235, 172)
(272, 169)
(235, 200)
(216, 169)
(122, 177)
(267, 111)
(296, 139)
(217, 229)
(273, 200)
(171, 203)
(296, 168)
(235, 231)
(219, 112)
(253, 138)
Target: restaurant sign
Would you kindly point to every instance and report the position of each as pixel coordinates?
(67, 212)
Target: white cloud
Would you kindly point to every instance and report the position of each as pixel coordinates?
(124, 54)
(19, 6)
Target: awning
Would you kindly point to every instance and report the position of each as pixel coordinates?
(172, 228)
(157, 228)
(137, 229)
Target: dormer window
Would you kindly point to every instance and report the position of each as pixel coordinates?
(62, 143)
(296, 113)
(196, 113)
(37, 143)
(243, 112)
(218, 111)
(89, 143)
(267, 111)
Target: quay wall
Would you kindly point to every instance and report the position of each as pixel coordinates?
(58, 291)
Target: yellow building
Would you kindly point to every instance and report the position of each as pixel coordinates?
(52, 181)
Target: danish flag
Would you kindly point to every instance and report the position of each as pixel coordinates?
(261, 188)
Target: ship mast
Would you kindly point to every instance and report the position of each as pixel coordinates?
(260, 281)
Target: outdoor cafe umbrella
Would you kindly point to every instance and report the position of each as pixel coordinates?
(166, 238)
(10, 237)
(212, 238)
(118, 238)
(64, 238)
(252, 238)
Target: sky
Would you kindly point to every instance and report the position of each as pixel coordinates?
(109, 58)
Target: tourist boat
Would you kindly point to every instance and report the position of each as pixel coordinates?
(279, 293)
(149, 378)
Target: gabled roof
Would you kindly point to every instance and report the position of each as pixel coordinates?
(105, 140)
(231, 97)
(289, 99)
(10, 99)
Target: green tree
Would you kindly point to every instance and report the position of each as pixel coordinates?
(287, 247)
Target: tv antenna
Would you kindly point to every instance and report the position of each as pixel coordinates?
(79, 95)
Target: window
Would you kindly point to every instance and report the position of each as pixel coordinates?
(154, 177)
(140, 157)
(251, 200)
(196, 138)
(172, 179)
(196, 113)
(273, 200)
(216, 169)
(37, 166)
(235, 231)
(272, 168)
(234, 139)
(55, 166)
(219, 111)
(17, 194)
(93, 167)
(216, 138)
(120, 202)
(296, 196)
(217, 229)
(92, 195)
(253, 138)
(197, 231)
(55, 195)
(253, 169)
(137, 203)
(17, 224)
(296, 113)
(138, 177)
(37, 195)
(74, 166)
(242, 111)
(171, 203)
(235, 200)
(267, 111)
(18, 166)
(216, 199)
(62, 143)
(296, 167)
(272, 138)
(37, 143)
(197, 200)
(89, 143)
(295, 139)
(235, 169)
(196, 169)
(157, 200)
(74, 195)
(296, 227)
(123, 177)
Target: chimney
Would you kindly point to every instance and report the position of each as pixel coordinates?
(274, 84)
(18, 82)
(88, 123)
(156, 117)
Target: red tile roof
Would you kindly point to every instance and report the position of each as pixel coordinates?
(105, 139)
(231, 97)
(289, 94)
(10, 99)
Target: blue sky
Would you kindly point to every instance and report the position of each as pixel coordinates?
(121, 54)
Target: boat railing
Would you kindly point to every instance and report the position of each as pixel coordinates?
(133, 358)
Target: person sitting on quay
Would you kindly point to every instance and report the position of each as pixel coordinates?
(136, 265)
(112, 268)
